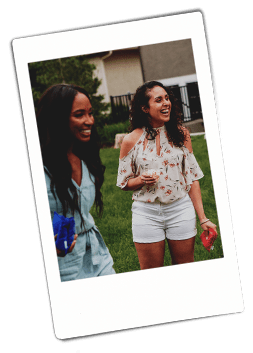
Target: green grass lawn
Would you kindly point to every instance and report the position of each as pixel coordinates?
(116, 222)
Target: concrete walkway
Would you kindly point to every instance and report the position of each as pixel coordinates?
(195, 126)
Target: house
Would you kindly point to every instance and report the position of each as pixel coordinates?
(119, 70)
(171, 63)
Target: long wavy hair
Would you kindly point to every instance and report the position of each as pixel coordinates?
(140, 119)
(52, 113)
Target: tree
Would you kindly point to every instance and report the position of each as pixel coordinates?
(76, 70)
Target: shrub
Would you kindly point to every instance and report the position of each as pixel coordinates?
(107, 132)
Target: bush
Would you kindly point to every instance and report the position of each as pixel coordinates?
(103, 119)
(107, 132)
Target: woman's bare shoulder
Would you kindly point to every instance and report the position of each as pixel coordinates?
(185, 131)
(129, 141)
(187, 138)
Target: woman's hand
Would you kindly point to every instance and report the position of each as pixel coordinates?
(149, 180)
(140, 181)
(207, 225)
(62, 253)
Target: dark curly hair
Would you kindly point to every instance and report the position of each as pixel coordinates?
(52, 114)
(140, 119)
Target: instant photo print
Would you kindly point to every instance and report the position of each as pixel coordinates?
(125, 56)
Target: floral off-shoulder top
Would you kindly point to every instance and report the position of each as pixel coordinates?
(176, 166)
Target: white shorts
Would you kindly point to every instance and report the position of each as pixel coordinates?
(153, 222)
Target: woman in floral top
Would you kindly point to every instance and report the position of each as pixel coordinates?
(157, 163)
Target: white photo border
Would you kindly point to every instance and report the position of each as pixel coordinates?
(140, 298)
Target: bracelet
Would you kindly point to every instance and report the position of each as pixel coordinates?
(204, 221)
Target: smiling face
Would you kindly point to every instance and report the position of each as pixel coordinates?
(81, 119)
(159, 106)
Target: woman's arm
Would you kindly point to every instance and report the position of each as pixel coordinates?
(138, 182)
(195, 195)
(195, 192)
(127, 144)
(134, 184)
